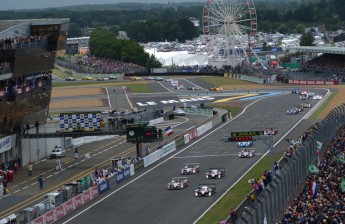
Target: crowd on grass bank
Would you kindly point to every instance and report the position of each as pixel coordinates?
(106, 66)
(327, 203)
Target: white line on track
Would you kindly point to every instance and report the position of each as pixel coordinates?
(193, 84)
(190, 127)
(283, 137)
(16, 191)
(146, 172)
(165, 87)
(106, 89)
(130, 104)
(33, 184)
(49, 176)
(25, 187)
(56, 173)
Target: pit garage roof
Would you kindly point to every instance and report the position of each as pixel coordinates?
(325, 50)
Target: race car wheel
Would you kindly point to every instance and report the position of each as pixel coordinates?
(171, 187)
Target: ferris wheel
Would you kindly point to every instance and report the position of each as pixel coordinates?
(229, 27)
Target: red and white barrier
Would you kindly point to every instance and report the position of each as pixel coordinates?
(313, 82)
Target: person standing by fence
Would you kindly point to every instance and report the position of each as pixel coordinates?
(76, 153)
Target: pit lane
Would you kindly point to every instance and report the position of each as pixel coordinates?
(145, 199)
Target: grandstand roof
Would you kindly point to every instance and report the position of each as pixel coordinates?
(325, 50)
(5, 24)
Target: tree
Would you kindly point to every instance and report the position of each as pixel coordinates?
(300, 28)
(282, 28)
(74, 30)
(266, 47)
(307, 39)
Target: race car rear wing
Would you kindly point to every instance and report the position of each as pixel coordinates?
(184, 179)
(193, 164)
(213, 186)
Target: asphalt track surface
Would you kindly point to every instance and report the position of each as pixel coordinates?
(145, 199)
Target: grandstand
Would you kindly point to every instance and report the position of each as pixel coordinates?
(27, 54)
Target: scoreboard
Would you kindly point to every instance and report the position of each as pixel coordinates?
(80, 121)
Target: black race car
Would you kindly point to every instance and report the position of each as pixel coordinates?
(215, 173)
(205, 190)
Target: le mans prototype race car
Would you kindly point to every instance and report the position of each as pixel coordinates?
(215, 173)
(317, 97)
(245, 144)
(246, 153)
(190, 168)
(270, 131)
(306, 105)
(177, 183)
(205, 190)
(293, 111)
(215, 88)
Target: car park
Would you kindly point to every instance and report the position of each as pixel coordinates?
(205, 190)
(270, 131)
(215, 173)
(57, 152)
(177, 183)
(245, 144)
(247, 153)
(190, 168)
(70, 79)
(179, 112)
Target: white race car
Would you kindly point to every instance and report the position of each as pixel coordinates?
(190, 168)
(317, 97)
(246, 153)
(177, 183)
(271, 131)
(205, 190)
(215, 173)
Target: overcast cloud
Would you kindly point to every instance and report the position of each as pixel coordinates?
(40, 4)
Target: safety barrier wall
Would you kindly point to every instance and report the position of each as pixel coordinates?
(89, 139)
(252, 79)
(205, 112)
(156, 121)
(270, 203)
(313, 82)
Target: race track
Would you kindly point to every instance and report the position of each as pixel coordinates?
(144, 198)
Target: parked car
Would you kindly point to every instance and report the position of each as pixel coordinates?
(57, 152)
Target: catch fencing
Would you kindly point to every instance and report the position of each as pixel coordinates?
(269, 204)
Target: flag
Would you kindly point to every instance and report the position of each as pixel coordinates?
(318, 145)
(313, 169)
(169, 131)
(314, 189)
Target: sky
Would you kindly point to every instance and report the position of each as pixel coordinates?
(40, 4)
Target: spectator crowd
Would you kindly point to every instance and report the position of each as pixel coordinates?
(19, 42)
(5, 67)
(327, 204)
(329, 63)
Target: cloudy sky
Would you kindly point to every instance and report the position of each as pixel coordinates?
(39, 4)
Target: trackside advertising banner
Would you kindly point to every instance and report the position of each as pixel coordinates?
(124, 174)
(103, 187)
(153, 157)
(205, 112)
(66, 208)
(313, 82)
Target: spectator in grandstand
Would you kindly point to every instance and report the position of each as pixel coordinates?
(327, 204)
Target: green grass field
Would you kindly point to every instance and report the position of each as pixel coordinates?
(138, 88)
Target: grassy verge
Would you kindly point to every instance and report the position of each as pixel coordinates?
(60, 74)
(221, 81)
(236, 195)
(138, 88)
(315, 115)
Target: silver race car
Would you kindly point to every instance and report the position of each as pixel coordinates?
(190, 168)
(271, 131)
(205, 190)
(247, 153)
(177, 183)
(215, 173)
